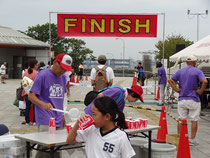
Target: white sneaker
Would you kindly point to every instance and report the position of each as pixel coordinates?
(34, 124)
(193, 142)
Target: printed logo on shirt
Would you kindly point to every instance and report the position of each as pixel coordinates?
(56, 91)
(108, 147)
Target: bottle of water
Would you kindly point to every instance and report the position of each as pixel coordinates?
(74, 114)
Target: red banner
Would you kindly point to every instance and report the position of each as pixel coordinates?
(107, 25)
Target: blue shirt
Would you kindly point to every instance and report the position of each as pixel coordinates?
(140, 70)
(188, 78)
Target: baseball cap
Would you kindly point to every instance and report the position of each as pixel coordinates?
(65, 61)
(138, 90)
(102, 58)
(191, 58)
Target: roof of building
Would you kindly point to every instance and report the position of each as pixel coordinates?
(9, 36)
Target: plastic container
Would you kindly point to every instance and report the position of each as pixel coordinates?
(160, 150)
(74, 114)
(138, 146)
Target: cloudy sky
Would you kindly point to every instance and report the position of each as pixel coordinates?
(20, 14)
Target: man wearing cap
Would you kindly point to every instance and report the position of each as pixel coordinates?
(120, 95)
(189, 102)
(48, 91)
(109, 71)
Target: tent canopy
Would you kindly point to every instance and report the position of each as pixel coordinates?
(200, 49)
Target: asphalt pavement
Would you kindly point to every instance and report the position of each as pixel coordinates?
(10, 115)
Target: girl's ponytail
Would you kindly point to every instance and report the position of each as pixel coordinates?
(108, 105)
(30, 70)
(31, 65)
(121, 120)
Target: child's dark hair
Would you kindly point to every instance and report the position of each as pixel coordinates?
(108, 105)
(132, 93)
(31, 65)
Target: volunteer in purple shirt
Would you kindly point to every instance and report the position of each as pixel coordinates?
(130, 94)
(189, 102)
(161, 82)
(48, 91)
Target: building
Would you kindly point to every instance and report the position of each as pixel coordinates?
(16, 49)
(113, 63)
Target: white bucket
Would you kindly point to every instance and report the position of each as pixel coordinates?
(160, 150)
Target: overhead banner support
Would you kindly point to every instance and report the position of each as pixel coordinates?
(106, 25)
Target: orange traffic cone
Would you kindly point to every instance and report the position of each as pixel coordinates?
(73, 79)
(86, 77)
(158, 93)
(183, 148)
(134, 80)
(161, 135)
(77, 79)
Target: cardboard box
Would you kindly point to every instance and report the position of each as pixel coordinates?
(173, 139)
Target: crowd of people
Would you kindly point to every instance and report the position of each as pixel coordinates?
(51, 87)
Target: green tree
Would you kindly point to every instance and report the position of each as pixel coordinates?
(170, 45)
(74, 47)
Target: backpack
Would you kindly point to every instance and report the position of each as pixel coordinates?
(90, 96)
(100, 80)
(19, 94)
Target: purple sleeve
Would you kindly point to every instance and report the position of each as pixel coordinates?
(201, 76)
(159, 72)
(175, 77)
(36, 87)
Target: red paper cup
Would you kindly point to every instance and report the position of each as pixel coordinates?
(87, 122)
(138, 125)
(52, 122)
(144, 123)
(68, 128)
(127, 123)
(132, 125)
(52, 126)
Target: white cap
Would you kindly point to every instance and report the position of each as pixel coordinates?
(191, 58)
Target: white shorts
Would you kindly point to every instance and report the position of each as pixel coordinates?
(189, 109)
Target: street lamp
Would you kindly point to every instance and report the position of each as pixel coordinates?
(123, 53)
(197, 14)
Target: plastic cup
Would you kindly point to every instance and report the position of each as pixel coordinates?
(68, 128)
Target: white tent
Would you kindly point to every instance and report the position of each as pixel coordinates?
(200, 49)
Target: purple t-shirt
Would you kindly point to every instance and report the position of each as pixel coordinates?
(49, 88)
(188, 78)
(114, 93)
(162, 74)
